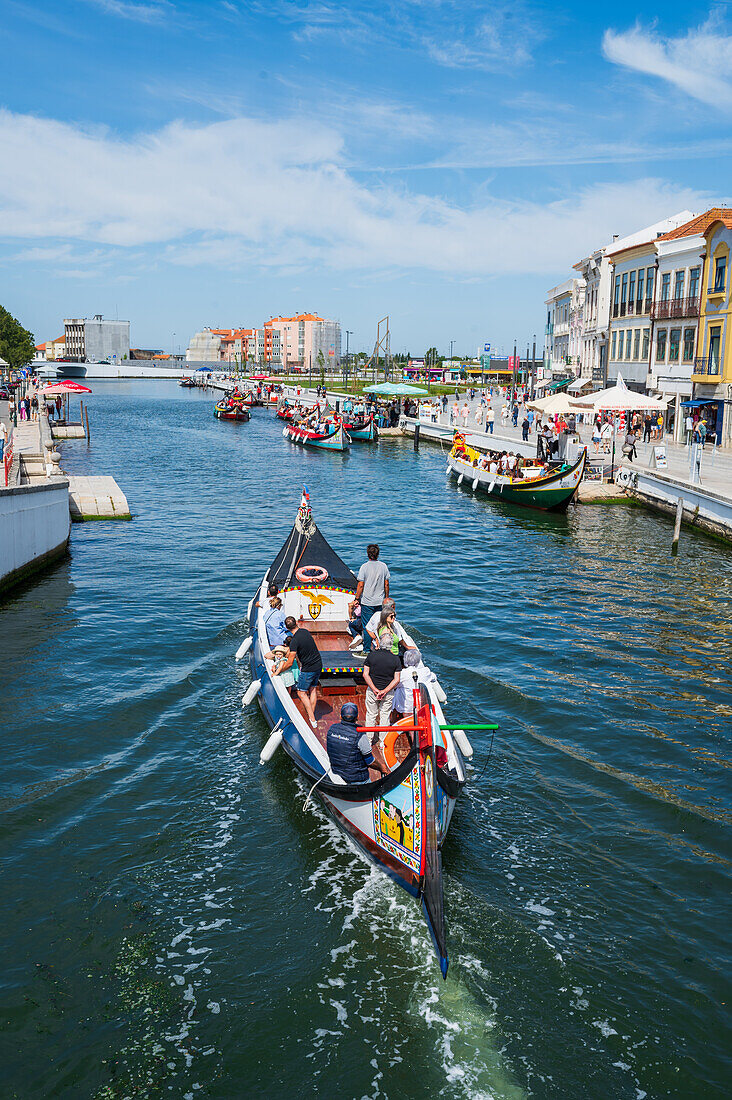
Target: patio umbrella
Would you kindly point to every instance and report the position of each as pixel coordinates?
(619, 398)
(54, 388)
(395, 389)
(555, 403)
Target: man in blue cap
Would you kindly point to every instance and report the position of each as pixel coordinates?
(351, 753)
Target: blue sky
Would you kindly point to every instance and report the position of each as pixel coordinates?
(183, 163)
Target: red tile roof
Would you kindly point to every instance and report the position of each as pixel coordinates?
(699, 225)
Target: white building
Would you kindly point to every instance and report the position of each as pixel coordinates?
(94, 340)
(563, 333)
(595, 270)
(205, 346)
(633, 260)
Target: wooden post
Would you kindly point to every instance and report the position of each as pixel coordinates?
(416, 434)
(677, 527)
(86, 414)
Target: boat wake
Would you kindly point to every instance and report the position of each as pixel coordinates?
(383, 992)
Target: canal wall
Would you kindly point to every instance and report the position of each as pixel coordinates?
(703, 507)
(34, 528)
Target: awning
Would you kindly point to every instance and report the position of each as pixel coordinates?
(700, 401)
(558, 384)
(579, 384)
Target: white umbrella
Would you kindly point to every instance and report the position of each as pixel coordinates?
(618, 398)
(555, 403)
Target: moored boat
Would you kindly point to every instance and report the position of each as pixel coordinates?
(333, 438)
(361, 427)
(398, 820)
(187, 383)
(547, 487)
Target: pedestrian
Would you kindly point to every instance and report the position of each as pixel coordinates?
(689, 428)
(372, 588)
(490, 418)
(596, 437)
(455, 413)
(525, 429)
(530, 418)
(647, 428)
(465, 413)
(478, 416)
(629, 446)
(515, 414)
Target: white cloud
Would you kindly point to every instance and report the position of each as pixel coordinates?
(699, 62)
(140, 13)
(245, 191)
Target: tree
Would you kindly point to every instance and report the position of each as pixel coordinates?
(321, 366)
(17, 345)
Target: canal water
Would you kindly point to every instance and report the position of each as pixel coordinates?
(178, 922)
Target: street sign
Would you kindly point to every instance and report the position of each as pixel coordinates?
(486, 349)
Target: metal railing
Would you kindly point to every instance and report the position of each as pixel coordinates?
(675, 307)
(706, 364)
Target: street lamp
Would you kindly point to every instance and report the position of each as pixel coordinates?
(349, 333)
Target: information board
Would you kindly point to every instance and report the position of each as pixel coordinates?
(659, 457)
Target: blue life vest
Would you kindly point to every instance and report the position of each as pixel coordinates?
(345, 756)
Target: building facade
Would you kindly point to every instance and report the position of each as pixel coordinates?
(94, 340)
(563, 332)
(595, 271)
(712, 375)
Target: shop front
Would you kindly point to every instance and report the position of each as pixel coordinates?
(710, 409)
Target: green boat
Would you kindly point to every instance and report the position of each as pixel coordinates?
(548, 488)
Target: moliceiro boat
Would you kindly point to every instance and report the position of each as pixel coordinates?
(332, 438)
(230, 408)
(397, 820)
(548, 486)
(361, 427)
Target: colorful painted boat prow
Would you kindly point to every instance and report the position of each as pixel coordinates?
(334, 438)
(361, 428)
(399, 819)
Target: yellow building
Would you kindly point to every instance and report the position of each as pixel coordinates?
(712, 376)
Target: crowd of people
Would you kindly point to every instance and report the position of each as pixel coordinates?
(392, 666)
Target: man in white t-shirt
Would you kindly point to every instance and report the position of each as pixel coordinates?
(372, 588)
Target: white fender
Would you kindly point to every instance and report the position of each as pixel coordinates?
(463, 744)
(249, 609)
(284, 433)
(475, 484)
(244, 648)
(438, 692)
(448, 471)
(251, 692)
(460, 479)
(272, 744)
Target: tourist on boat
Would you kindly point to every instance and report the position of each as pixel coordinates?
(372, 588)
(301, 645)
(355, 624)
(381, 673)
(289, 674)
(274, 623)
(403, 698)
(372, 626)
(351, 753)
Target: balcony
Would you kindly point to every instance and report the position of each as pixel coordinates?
(675, 308)
(706, 364)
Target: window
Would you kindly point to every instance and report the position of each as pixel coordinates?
(628, 343)
(715, 337)
(665, 286)
(720, 272)
(624, 291)
(636, 344)
(621, 337)
(612, 349)
(661, 345)
(679, 284)
(674, 339)
(650, 275)
(616, 299)
(646, 342)
(640, 289)
(631, 287)
(694, 282)
(689, 344)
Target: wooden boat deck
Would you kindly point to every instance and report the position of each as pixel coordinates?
(332, 636)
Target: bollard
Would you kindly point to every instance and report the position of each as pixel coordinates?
(677, 527)
(416, 437)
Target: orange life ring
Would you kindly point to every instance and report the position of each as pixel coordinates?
(311, 574)
(389, 742)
